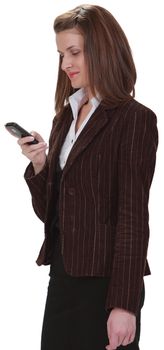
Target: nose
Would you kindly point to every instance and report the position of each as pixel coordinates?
(66, 63)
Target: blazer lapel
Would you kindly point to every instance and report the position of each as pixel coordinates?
(97, 121)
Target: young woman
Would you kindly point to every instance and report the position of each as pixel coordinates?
(92, 189)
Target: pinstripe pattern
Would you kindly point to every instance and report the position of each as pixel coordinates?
(103, 204)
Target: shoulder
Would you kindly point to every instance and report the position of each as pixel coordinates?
(134, 109)
(141, 119)
(139, 123)
(134, 115)
(131, 111)
(133, 121)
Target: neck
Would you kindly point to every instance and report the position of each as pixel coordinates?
(89, 94)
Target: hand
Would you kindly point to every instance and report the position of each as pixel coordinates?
(121, 328)
(35, 153)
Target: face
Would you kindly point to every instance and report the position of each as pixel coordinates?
(70, 45)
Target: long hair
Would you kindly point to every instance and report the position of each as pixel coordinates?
(107, 53)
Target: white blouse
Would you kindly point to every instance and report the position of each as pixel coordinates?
(76, 101)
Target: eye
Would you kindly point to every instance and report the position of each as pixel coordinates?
(75, 53)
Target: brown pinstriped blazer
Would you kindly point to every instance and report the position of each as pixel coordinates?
(103, 204)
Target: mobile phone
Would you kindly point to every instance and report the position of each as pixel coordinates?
(17, 131)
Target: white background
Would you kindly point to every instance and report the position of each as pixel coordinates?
(28, 68)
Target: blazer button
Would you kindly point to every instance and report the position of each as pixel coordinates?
(71, 191)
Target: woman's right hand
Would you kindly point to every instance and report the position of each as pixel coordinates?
(35, 153)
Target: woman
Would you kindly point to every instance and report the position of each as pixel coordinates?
(91, 190)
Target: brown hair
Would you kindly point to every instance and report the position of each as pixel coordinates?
(108, 56)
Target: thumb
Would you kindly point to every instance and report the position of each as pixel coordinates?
(37, 136)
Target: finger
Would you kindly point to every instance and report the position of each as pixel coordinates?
(37, 136)
(33, 152)
(125, 341)
(33, 147)
(131, 338)
(109, 347)
(24, 140)
(128, 339)
(113, 342)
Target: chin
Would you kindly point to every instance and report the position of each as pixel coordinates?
(76, 86)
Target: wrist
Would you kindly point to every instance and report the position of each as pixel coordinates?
(123, 311)
(38, 167)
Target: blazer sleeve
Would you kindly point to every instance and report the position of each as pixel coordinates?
(136, 163)
(38, 183)
(37, 187)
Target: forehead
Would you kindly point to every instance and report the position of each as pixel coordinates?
(68, 38)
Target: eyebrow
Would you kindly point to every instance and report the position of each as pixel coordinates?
(68, 48)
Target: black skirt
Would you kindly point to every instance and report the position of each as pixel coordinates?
(75, 316)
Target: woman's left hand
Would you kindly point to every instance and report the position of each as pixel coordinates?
(121, 328)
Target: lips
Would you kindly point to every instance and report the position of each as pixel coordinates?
(72, 74)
